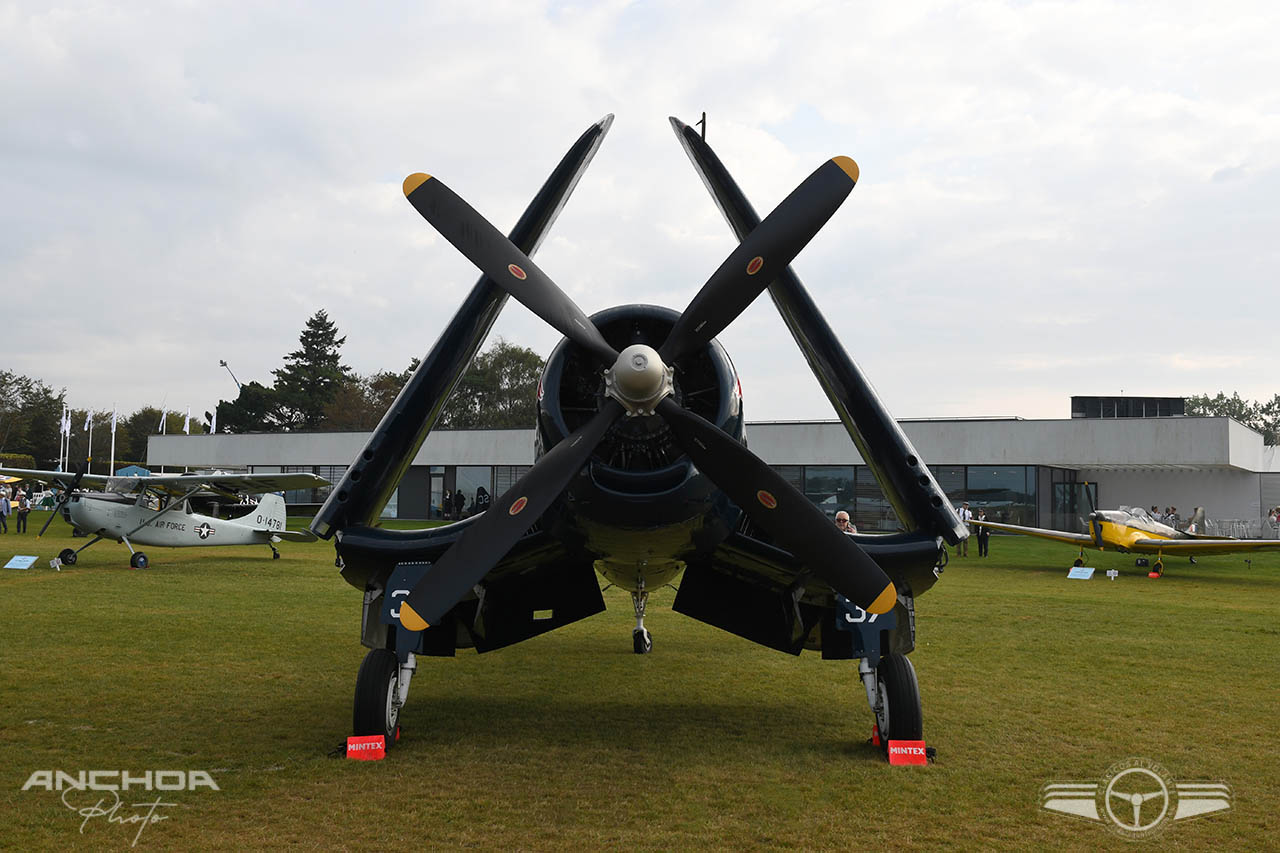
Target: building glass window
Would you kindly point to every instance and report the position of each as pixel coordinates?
(1007, 492)
(951, 480)
(298, 496)
(793, 474)
(830, 487)
(505, 476)
(873, 513)
(332, 473)
(470, 479)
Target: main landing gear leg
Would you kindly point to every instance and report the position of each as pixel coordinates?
(641, 639)
(275, 552)
(382, 688)
(137, 559)
(894, 696)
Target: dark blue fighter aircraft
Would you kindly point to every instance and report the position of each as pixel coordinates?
(643, 475)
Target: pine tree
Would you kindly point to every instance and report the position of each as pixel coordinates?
(312, 375)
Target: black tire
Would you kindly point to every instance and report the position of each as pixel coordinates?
(641, 642)
(1158, 567)
(275, 555)
(1078, 563)
(898, 684)
(374, 713)
(68, 557)
(138, 560)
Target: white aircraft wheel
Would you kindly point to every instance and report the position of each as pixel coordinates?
(641, 642)
(138, 560)
(904, 718)
(375, 713)
(68, 557)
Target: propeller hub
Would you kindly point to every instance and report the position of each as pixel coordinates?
(639, 379)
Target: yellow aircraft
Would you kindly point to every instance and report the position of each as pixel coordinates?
(1132, 530)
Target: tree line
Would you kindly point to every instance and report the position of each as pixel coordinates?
(314, 391)
(1259, 416)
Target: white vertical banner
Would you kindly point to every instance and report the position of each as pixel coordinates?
(213, 422)
(113, 439)
(186, 422)
(88, 454)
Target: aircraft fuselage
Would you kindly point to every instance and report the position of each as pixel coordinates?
(114, 516)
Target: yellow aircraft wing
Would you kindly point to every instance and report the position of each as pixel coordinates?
(1080, 539)
(1193, 547)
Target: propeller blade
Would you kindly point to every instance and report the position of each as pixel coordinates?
(66, 496)
(498, 258)
(490, 538)
(779, 508)
(761, 257)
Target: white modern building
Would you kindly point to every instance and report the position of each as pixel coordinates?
(1025, 471)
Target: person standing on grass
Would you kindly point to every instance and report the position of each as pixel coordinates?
(4, 509)
(966, 516)
(984, 533)
(24, 507)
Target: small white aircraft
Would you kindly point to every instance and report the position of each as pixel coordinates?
(156, 510)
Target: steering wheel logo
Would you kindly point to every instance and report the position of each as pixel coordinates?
(1129, 791)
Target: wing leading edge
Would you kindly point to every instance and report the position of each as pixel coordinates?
(1081, 539)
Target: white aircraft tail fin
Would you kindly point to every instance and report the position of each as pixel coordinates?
(269, 514)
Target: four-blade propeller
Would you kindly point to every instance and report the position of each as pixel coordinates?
(639, 381)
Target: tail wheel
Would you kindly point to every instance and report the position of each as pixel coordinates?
(901, 717)
(375, 711)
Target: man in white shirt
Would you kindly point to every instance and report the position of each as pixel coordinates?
(962, 549)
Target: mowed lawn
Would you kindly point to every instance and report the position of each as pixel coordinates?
(223, 660)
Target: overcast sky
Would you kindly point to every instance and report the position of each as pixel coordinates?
(1055, 198)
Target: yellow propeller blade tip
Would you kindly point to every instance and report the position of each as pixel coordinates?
(884, 601)
(411, 620)
(850, 168)
(416, 180)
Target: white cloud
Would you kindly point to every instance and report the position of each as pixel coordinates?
(1060, 194)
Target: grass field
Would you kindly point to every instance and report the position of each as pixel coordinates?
(220, 659)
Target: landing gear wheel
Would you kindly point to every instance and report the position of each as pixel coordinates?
(68, 557)
(900, 717)
(1157, 567)
(139, 560)
(1078, 563)
(375, 712)
(275, 555)
(641, 642)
